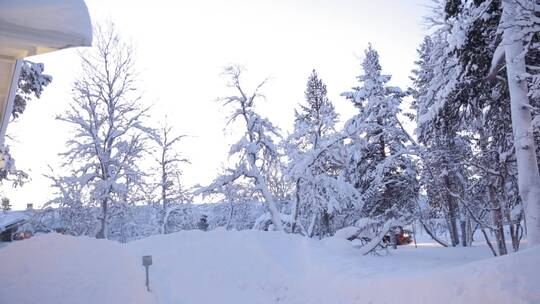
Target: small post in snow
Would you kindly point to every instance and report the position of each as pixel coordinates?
(147, 261)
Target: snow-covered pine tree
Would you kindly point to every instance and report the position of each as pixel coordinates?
(256, 152)
(380, 165)
(106, 115)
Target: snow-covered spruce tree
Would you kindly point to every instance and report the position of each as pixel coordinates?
(316, 119)
(454, 105)
(441, 165)
(430, 207)
(169, 190)
(102, 160)
(31, 84)
(478, 118)
(380, 165)
(315, 164)
(484, 118)
(256, 152)
(476, 108)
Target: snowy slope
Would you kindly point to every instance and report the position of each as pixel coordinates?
(258, 267)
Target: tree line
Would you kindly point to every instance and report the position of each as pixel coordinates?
(471, 162)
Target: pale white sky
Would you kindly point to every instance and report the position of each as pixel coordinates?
(181, 48)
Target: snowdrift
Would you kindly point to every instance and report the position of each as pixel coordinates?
(507, 279)
(54, 269)
(258, 267)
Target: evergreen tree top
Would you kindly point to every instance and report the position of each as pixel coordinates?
(373, 88)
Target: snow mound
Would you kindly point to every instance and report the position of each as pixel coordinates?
(270, 267)
(508, 279)
(55, 269)
(247, 267)
(230, 267)
(346, 233)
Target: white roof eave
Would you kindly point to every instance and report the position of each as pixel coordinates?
(32, 27)
(22, 42)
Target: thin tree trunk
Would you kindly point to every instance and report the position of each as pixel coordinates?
(515, 228)
(311, 227)
(295, 206)
(414, 234)
(488, 242)
(231, 214)
(463, 226)
(513, 236)
(452, 214)
(528, 175)
(393, 240)
(432, 235)
(102, 233)
(470, 232)
(497, 220)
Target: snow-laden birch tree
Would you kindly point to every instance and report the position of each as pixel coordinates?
(527, 164)
(256, 152)
(108, 141)
(520, 25)
(169, 188)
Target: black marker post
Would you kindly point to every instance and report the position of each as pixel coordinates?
(147, 261)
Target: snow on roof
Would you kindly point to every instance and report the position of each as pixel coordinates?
(38, 26)
(11, 217)
(32, 27)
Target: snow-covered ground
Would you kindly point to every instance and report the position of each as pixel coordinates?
(258, 267)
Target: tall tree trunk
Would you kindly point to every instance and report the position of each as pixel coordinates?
(164, 180)
(528, 175)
